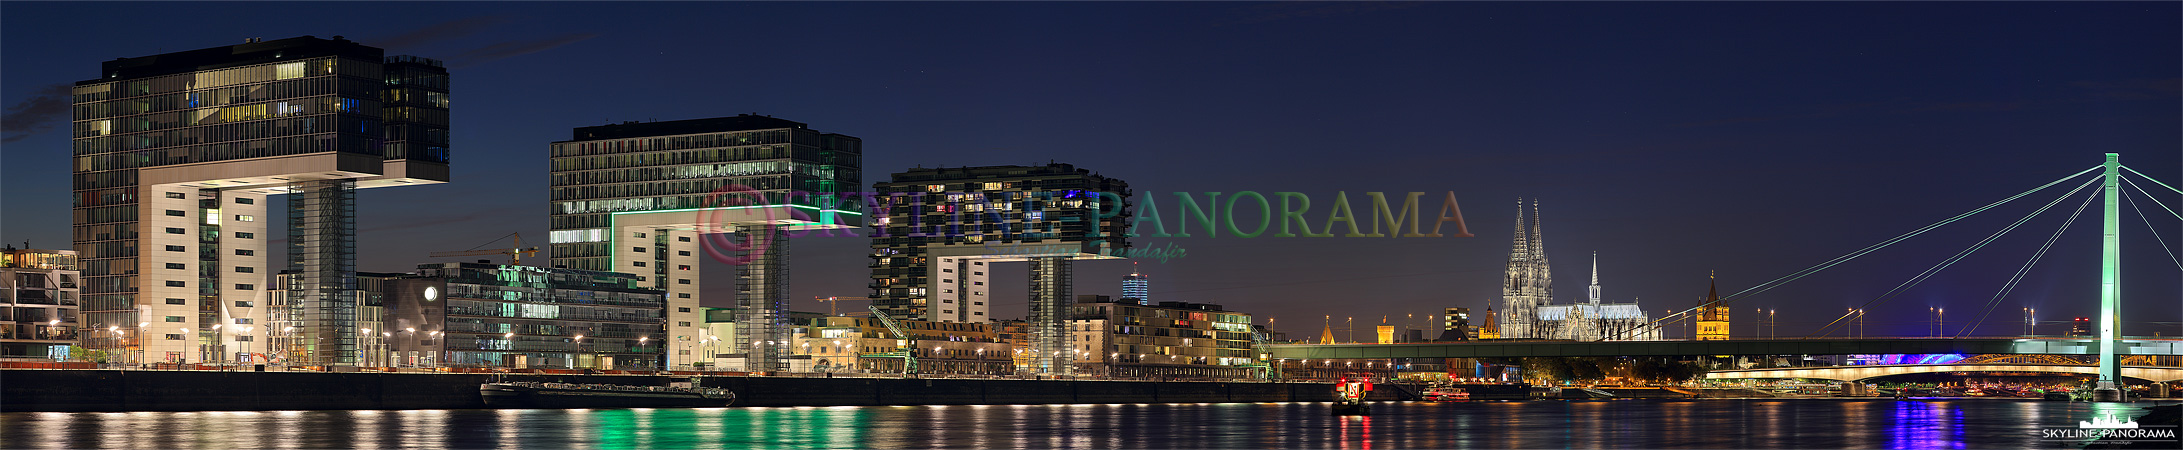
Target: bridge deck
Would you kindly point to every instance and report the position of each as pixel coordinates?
(1519, 348)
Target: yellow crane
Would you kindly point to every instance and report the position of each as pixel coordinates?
(515, 253)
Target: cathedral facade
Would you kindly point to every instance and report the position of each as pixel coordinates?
(1527, 292)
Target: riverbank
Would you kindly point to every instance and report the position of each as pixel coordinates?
(139, 390)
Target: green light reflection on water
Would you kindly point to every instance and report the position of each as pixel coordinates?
(753, 428)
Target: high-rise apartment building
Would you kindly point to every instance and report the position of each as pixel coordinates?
(944, 227)
(178, 157)
(656, 198)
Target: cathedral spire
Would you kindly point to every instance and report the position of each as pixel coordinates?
(1595, 278)
(1541, 271)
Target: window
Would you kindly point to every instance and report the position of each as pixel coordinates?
(977, 303)
(682, 309)
(247, 287)
(640, 235)
(977, 273)
(174, 337)
(177, 301)
(977, 263)
(947, 270)
(177, 231)
(242, 320)
(245, 269)
(682, 281)
(178, 266)
(682, 266)
(177, 248)
(682, 295)
(176, 284)
(245, 235)
(243, 304)
(176, 195)
(682, 238)
(177, 213)
(682, 253)
(638, 263)
(174, 319)
(245, 201)
(242, 252)
(245, 218)
(637, 249)
(682, 324)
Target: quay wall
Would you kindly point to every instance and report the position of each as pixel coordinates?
(137, 390)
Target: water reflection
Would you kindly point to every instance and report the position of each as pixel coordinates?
(1546, 424)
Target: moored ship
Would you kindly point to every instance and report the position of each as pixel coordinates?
(525, 394)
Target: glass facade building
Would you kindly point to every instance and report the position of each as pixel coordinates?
(657, 198)
(176, 155)
(472, 314)
(1164, 340)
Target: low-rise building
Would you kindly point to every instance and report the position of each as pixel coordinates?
(481, 314)
(856, 344)
(39, 306)
(1164, 340)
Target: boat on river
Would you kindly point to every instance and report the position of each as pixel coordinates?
(527, 394)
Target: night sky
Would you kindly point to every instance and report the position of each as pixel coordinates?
(1673, 139)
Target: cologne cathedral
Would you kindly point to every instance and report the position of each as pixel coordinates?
(1528, 291)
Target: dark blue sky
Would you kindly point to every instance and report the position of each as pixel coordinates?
(1752, 139)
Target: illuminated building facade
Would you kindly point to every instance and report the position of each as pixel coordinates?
(846, 344)
(1528, 289)
(177, 159)
(944, 228)
(654, 198)
(482, 314)
(39, 307)
(1713, 316)
(1137, 286)
(1165, 340)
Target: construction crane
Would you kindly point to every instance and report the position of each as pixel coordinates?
(903, 344)
(831, 302)
(515, 253)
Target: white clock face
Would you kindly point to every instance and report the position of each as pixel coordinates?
(431, 293)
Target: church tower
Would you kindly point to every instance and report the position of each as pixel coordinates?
(1712, 315)
(1529, 283)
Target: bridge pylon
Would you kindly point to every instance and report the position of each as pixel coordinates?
(2110, 295)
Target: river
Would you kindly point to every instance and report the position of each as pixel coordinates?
(1801, 423)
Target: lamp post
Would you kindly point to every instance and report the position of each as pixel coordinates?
(140, 342)
(110, 328)
(288, 341)
(437, 355)
(509, 337)
(641, 340)
(2028, 327)
(578, 341)
(1772, 326)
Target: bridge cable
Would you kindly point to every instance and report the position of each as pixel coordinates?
(2150, 197)
(1950, 261)
(2154, 231)
(2020, 272)
(2154, 180)
(1777, 282)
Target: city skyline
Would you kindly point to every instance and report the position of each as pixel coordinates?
(1675, 140)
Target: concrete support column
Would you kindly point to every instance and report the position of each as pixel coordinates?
(1051, 282)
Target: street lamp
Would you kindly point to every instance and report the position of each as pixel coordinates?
(140, 341)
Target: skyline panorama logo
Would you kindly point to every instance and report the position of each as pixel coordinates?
(1023, 216)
